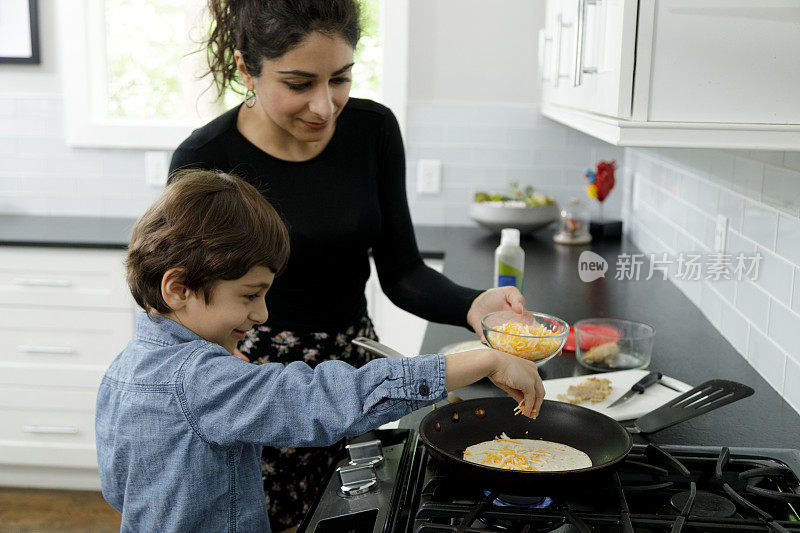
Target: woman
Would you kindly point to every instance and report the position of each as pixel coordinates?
(334, 168)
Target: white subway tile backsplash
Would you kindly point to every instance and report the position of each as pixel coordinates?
(767, 156)
(760, 224)
(22, 126)
(731, 205)
(784, 325)
(726, 286)
(500, 155)
(758, 317)
(438, 114)
(9, 186)
(737, 244)
(500, 115)
(711, 304)
(542, 178)
(721, 170)
(427, 213)
(8, 145)
(748, 178)
(689, 188)
(735, 327)
(775, 276)
(781, 189)
(792, 160)
(692, 159)
(791, 383)
(495, 135)
(447, 154)
(753, 303)
(788, 242)
(707, 196)
(536, 138)
(570, 156)
(796, 292)
(767, 358)
(426, 134)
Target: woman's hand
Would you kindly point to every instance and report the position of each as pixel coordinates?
(497, 299)
(520, 379)
(240, 355)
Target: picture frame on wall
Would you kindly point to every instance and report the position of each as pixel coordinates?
(19, 32)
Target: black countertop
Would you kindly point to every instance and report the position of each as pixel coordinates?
(687, 346)
(72, 232)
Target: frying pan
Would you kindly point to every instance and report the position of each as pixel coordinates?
(447, 431)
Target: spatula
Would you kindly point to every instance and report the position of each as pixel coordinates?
(701, 399)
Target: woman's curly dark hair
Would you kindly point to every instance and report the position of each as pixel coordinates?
(267, 29)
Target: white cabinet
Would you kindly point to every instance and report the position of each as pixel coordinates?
(691, 73)
(65, 314)
(587, 52)
(395, 327)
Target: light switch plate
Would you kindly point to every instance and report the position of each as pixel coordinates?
(429, 176)
(721, 234)
(156, 168)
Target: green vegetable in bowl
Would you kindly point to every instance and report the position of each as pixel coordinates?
(527, 195)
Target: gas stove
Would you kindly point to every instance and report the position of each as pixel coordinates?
(391, 484)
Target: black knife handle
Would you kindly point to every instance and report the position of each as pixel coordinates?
(646, 381)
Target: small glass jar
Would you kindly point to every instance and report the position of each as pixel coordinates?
(573, 226)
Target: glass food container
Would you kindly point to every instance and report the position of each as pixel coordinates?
(573, 226)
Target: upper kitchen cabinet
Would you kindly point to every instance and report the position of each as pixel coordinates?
(678, 73)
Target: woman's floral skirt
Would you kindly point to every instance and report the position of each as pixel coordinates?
(294, 478)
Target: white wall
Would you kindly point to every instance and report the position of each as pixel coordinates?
(474, 50)
(39, 174)
(472, 102)
(677, 195)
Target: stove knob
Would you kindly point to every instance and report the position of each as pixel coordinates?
(369, 453)
(357, 479)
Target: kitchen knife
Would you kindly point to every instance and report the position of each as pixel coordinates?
(640, 386)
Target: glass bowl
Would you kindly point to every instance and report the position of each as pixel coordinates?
(605, 344)
(534, 336)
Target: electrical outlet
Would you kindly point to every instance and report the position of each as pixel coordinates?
(156, 168)
(721, 234)
(429, 176)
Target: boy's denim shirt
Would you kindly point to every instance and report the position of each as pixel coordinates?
(180, 423)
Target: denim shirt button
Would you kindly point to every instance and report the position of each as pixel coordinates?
(424, 390)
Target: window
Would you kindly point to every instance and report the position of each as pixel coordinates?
(132, 81)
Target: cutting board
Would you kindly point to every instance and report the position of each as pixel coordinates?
(621, 381)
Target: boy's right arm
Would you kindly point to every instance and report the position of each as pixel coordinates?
(227, 400)
(518, 377)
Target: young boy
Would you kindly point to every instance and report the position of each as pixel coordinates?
(180, 422)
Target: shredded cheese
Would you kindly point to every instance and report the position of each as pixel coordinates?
(528, 342)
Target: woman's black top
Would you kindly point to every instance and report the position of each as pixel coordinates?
(346, 201)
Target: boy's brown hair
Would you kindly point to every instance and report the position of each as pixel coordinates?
(213, 225)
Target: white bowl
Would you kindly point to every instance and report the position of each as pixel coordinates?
(498, 215)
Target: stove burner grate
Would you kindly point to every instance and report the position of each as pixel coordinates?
(706, 504)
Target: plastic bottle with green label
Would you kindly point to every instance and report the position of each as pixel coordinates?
(509, 260)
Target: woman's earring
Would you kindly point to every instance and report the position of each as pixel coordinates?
(250, 97)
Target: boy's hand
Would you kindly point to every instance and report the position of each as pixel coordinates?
(520, 379)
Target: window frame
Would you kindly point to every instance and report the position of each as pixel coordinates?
(82, 38)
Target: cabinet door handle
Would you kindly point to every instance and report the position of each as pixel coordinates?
(30, 348)
(544, 41)
(560, 25)
(61, 430)
(43, 282)
(580, 35)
